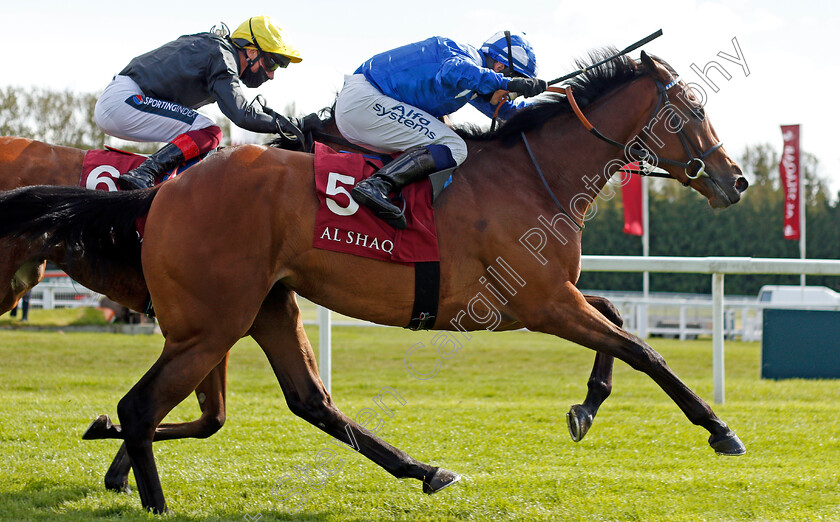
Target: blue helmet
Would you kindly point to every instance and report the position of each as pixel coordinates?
(524, 61)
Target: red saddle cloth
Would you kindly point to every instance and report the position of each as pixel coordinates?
(342, 225)
(101, 168)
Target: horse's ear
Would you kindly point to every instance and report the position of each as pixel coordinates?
(652, 67)
(648, 62)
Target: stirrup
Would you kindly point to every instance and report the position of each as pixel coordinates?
(397, 222)
(366, 194)
(155, 166)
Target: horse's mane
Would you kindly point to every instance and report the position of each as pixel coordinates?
(588, 87)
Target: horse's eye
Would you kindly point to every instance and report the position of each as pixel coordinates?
(699, 112)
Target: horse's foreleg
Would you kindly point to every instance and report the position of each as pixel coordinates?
(211, 399)
(279, 331)
(580, 416)
(574, 319)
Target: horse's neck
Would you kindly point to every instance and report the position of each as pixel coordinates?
(575, 163)
(620, 115)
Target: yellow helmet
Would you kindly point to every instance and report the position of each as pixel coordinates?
(266, 37)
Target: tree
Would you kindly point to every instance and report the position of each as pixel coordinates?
(682, 224)
(63, 118)
(57, 117)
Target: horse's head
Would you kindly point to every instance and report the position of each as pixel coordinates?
(684, 142)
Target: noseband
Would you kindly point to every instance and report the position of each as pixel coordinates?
(694, 167)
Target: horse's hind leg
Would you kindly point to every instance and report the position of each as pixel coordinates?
(21, 279)
(211, 399)
(580, 416)
(279, 331)
(572, 318)
(178, 371)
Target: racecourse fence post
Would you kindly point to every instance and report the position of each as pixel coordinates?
(717, 337)
(48, 299)
(325, 346)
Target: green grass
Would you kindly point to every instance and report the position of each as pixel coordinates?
(57, 317)
(494, 413)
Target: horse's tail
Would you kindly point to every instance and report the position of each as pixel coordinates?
(95, 224)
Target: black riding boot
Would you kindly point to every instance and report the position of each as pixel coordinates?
(156, 165)
(413, 165)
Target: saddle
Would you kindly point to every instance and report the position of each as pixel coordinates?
(312, 130)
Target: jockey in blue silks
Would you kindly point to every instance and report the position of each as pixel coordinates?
(394, 100)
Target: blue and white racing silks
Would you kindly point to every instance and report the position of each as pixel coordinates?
(438, 76)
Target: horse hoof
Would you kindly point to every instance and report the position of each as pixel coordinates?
(118, 485)
(728, 444)
(440, 479)
(579, 421)
(116, 478)
(99, 428)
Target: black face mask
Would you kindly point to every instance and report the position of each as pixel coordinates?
(253, 79)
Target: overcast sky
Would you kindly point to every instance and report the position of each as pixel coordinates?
(789, 48)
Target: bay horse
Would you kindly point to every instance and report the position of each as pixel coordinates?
(233, 238)
(25, 162)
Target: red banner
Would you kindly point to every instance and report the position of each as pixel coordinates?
(790, 172)
(631, 195)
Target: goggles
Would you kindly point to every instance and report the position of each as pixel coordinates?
(273, 61)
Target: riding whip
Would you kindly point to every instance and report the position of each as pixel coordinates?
(632, 47)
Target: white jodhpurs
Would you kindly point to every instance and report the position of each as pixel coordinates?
(123, 111)
(370, 119)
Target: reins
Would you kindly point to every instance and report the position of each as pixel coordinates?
(641, 171)
(694, 168)
(580, 226)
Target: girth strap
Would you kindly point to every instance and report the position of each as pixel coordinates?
(426, 295)
(149, 309)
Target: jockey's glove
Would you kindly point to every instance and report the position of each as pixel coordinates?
(527, 86)
(310, 122)
(286, 125)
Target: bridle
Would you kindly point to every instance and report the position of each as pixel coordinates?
(695, 167)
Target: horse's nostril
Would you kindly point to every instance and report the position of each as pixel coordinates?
(741, 184)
